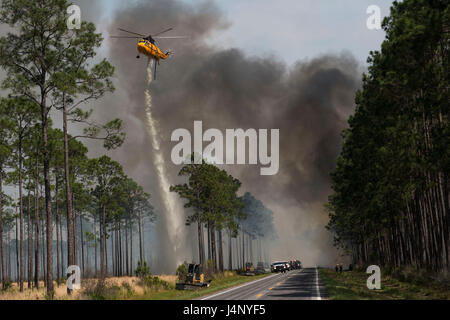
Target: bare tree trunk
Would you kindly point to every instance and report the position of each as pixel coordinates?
(141, 247)
(30, 242)
(8, 249)
(95, 246)
(69, 205)
(103, 244)
(82, 244)
(36, 230)
(230, 254)
(209, 242)
(120, 251)
(74, 232)
(243, 250)
(114, 251)
(17, 250)
(220, 251)
(61, 245)
(22, 228)
(200, 240)
(250, 242)
(58, 258)
(87, 260)
(106, 253)
(43, 266)
(131, 247)
(48, 204)
(127, 265)
(2, 261)
(213, 247)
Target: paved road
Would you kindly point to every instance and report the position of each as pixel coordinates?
(304, 284)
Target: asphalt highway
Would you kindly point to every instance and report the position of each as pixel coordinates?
(304, 284)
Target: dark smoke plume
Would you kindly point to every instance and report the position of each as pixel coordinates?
(309, 102)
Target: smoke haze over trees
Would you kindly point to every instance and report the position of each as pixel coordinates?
(309, 102)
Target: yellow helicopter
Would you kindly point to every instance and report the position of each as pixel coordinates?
(147, 46)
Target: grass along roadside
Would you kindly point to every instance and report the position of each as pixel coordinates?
(161, 287)
(219, 283)
(351, 285)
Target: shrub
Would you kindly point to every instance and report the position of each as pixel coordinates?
(142, 270)
(155, 283)
(210, 269)
(101, 290)
(8, 284)
(182, 271)
(129, 292)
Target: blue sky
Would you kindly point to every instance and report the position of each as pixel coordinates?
(294, 29)
(299, 29)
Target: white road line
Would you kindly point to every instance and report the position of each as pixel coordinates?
(317, 285)
(235, 288)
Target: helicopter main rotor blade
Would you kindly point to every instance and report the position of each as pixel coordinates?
(157, 34)
(125, 37)
(174, 37)
(138, 34)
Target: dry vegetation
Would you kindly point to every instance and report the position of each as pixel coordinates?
(111, 288)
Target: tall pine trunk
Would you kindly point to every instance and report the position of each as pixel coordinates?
(127, 261)
(103, 244)
(30, 242)
(36, 230)
(48, 204)
(220, 251)
(22, 228)
(69, 209)
(58, 258)
(141, 247)
(82, 244)
(200, 240)
(230, 252)
(243, 250)
(17, 250)
(131, 247)
(61, 245)
(2, 261)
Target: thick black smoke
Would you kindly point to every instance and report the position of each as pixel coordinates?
(309, 102)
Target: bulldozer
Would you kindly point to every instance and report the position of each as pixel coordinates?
(249, 269)
(195, 278)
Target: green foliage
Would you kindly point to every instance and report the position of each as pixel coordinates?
(353, 286)
(211, 268)
(181, 272)
(211, 192)
(142, 270)
(100, 290)
(7, 285)
(395, 157)
(259, 219)
(155, 283)
(129, 290)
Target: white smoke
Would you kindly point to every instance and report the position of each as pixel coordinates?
(174, 223)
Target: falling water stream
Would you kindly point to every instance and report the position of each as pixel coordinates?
(173, 221)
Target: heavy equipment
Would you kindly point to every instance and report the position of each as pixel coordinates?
(249, 269)
(260, 268)
(195, 278)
